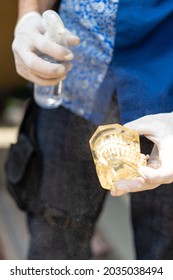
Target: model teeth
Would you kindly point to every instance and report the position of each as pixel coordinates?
(116, 153)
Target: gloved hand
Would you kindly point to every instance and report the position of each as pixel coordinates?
(159, 129)
(29, 41)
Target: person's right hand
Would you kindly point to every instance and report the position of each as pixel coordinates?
(29, 41)
(159, 170)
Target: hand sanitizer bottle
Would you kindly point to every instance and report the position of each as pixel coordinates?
(50, 97)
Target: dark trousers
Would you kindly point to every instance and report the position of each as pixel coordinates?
(152, 219)
(69, 188)
(60, 191)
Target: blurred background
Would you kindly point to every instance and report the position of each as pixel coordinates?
(13, 92)
(10, 83)
(114, 235)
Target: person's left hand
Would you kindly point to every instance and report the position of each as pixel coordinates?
(159, 129)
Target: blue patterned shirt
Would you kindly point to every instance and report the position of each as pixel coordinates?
(139, 66)
(94, 22)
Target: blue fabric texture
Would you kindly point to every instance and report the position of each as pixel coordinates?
(94, 22)
(142, 58)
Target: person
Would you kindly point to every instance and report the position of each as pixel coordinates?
(120, 74)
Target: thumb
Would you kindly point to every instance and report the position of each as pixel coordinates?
(162, 172)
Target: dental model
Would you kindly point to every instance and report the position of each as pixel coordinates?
(116, 153)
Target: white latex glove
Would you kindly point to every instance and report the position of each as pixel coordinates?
(29, 40)
(159, 129)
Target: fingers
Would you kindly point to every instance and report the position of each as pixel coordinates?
(150, 179)
(40, 44)
(154, 127)
(31, 41)
(34, 68)
(160, 164)
(50, 48)
(116, 192)
(39, 80)
(133, 185)
(158, 171)
(157, 176)
(72, 40)
(42, 72)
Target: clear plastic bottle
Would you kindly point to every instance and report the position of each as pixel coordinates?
(50, 97)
